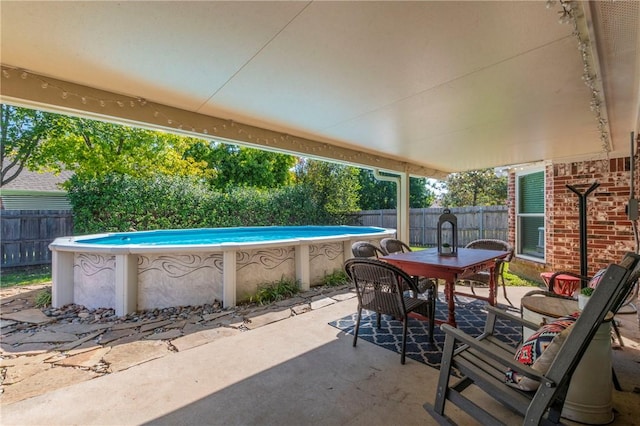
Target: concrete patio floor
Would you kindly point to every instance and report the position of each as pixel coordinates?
(291, 372)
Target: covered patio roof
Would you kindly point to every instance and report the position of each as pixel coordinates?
(423, 88)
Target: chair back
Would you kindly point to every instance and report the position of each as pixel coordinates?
(366, 249)
(614, 285)
(392, 245)
(379, 285)
(632, 280)
(492, 244)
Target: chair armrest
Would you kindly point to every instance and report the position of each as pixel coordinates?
(502, 314)
(487, 349)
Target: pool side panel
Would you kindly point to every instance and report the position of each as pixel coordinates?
(263, 266)
(179, 280)
(94, 276)
(325, 259)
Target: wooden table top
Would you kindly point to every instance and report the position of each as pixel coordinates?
(549, 306)
(465, 258)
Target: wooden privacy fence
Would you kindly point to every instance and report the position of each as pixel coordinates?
(473, 223)
(26, 235)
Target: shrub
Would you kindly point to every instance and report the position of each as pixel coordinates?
(275, 291)
(336, 278)
(587, 291)
(120, 203)
(43, 298)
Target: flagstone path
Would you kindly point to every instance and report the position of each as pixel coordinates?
(45, 349)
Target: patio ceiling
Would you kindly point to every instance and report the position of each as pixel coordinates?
(423, 87)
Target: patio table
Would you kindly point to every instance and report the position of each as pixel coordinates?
(428, 263)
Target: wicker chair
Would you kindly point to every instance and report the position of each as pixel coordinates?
(366, 249)
(392, 245)
(483, 277)
(424, 285)
(380, 287)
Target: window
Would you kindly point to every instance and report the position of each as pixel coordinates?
(530, 214)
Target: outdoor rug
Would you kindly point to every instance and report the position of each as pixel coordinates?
(470, 318)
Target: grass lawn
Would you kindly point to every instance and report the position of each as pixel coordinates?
(36, 275)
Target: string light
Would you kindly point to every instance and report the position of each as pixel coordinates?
(322, 149)
(568, 15)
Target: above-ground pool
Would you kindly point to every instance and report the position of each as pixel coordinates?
(133, 271)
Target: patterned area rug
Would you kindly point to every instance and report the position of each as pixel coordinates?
(470, 317)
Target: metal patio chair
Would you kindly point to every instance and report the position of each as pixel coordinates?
(483, 277)
(381, 288)
(366, 249)
(425, 285)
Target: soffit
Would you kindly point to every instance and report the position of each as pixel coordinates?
(442, 86)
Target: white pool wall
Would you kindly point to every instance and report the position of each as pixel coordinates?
(130, 278)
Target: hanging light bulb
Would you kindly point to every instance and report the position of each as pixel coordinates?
(44, 85)
(24, 75)
(65, 95)
(6, 74)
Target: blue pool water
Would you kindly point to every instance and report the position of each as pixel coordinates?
(226, 235)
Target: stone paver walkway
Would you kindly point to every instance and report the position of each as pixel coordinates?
(39, 352)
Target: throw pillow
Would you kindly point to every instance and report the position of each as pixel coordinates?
(539, 351)
(595, 280)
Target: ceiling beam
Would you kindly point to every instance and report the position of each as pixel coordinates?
(24, 88)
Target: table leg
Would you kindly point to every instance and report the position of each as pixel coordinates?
(449, 289)
(492, 287)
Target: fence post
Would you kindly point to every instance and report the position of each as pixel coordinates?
(482, 222)
(423, 234)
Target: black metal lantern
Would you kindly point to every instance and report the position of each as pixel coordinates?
(447, 234)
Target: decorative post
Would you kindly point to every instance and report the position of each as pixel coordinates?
(447, 242)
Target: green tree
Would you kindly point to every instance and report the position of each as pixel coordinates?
(22, 130)
(91, 148)
(377, 194)
(237, 166)
(332, 185)
(475, 188)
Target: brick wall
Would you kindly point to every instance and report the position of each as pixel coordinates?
(609, 232)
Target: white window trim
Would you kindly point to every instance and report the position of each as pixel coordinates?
(522, 172)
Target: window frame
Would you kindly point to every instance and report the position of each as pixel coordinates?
(518, 215)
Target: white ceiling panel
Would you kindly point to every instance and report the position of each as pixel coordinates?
(449, 86)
